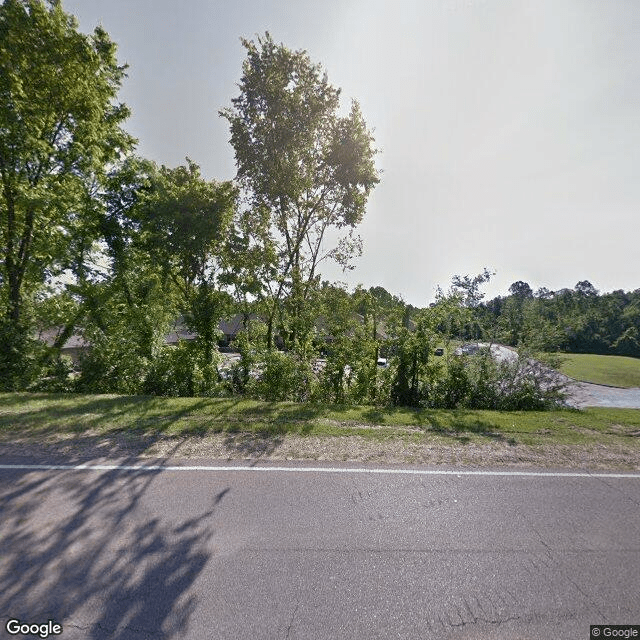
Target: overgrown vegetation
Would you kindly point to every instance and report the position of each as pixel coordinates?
(142, 246)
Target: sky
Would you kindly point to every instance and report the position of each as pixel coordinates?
(508, 131)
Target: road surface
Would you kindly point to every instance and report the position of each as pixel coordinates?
(195, 553)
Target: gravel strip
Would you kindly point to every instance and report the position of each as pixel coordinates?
(353, 449)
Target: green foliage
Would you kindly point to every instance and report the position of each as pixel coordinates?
(419, 374)
(305, 170)
(350, 339)
(250, 344)
(184, 221)
(411, 370)
(20, 355)
(165, 232)
(455, 381)
(56, 376)
(59, 130)
(59, 127)
(126, 325)
(184, 224)
(113, 364)
(284, 376)
(468, 289)
(453, 387)
(182, 371)
(578, 320)
(480, 381)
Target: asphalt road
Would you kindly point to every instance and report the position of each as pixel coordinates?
(198, 554)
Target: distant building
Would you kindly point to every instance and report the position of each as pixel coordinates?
(230, 328)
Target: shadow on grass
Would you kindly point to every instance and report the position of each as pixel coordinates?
(71, 412)
(279, 412)
(84, 549)
(142, 420)
(460, 425)
(52, 413)
(376, 415)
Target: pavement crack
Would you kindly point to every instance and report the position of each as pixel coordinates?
(293, 615)
(469, 609)
(500, 620)
(618, 489)
(585, 595)
(547, 548)
(559, 566)
(485, 620)
(479, 605)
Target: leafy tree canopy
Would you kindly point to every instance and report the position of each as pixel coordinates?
(59, 132)
(304, 168)
(521, 289)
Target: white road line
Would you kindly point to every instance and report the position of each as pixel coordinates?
(411, 472)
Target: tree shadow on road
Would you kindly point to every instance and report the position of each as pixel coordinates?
(79, 547)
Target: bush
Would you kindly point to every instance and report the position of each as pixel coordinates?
(284, 376)
(241, 376)
(480, 382)
(20, 356)
(182, 371)
(454, 387)
(57, 377)
(523, 384)
(112, 365)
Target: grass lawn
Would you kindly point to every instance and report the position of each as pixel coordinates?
(615, 371)
(40, 417)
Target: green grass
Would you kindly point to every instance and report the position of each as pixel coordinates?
(39, 417)
(615, 371)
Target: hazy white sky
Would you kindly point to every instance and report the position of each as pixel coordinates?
(509, 130)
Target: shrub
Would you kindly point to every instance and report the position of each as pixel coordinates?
(20, 356)
(285, 376)
(524, 384)
(112, 365)
(241, 376)
(57, 377)
(453, 387)
(480, 382)
(183, 371)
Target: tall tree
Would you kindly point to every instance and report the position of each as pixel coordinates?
(186, 222)
(176, 223)
(165, 233)
(521, 290)
(59, 130)
(301, 164)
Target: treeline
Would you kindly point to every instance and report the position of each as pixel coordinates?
(578, 320)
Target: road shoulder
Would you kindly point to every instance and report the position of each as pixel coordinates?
(254, 449)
